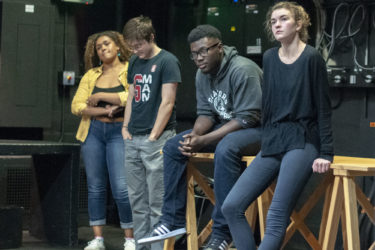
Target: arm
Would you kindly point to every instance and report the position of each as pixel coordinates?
(323, 105)
(128, 110)
(113, 98)
(247, 95)
(79, 102)
(244, 84)
(194, 142)
(118, 99)
(80, 106)
(110, 110)
(92, 110)
(96, 111)
(246, 108)
(124, 81)
(202, 125)
(168, 96)
(218, 134)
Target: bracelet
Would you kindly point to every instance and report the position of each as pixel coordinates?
(124, 126)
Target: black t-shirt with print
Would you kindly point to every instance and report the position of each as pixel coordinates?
(148, 76)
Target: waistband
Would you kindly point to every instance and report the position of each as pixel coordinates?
(108, 119)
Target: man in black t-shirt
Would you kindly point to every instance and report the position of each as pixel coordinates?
(149, 121)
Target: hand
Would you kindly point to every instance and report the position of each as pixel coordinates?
(321, 165)
(112, 110)
(192, 144)
(152, 138)
(125, 134)
(185, 148)
(93, 100)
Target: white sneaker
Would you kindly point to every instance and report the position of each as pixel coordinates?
(95, 244)
(129, 245)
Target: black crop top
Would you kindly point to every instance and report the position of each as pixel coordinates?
(103, 104)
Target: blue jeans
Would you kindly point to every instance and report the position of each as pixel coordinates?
(292, 171)
(227, 168)
(103, 156)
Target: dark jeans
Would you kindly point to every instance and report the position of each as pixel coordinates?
(292, 171)
(228, 168)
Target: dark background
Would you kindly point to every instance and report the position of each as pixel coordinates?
(37, 45)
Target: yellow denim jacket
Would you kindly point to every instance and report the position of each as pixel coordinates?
(85, 88)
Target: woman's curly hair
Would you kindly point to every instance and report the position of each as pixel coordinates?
(91, 58)
(299, 15)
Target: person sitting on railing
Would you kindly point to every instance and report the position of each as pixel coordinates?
(228, 92)
(296, 129)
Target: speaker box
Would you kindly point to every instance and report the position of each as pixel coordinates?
(10, 227)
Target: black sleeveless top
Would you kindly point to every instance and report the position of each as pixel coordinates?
(103, 104)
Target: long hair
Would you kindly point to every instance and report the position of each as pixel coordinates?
(91, 58)
(299, 15)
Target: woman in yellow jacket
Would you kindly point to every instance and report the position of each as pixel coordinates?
(100, 100)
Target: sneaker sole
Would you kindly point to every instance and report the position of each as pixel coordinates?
(100, 248)
(153, 239)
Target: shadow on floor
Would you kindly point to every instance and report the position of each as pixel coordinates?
(114, 240)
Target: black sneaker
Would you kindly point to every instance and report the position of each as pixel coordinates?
(161, 232)
(217, 244)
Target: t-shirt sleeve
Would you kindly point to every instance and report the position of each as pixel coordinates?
(130, 70)
(171, 70)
